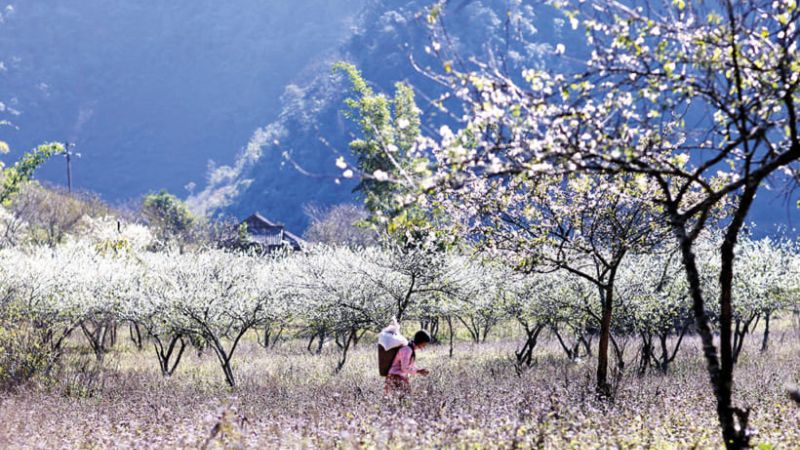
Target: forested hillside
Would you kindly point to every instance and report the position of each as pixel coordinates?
(237, 103)
(151, 91)
(312, 130)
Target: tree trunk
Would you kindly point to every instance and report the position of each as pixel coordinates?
(226, 368)
(646, 353)
(351, 335)
(267, 337)
(765, 340)
(720, 369)
(487, 326)
(666, 357)
(525, 354)
(473, 329)
(603, 387)
(96, 333)
(587, 344)
(434, 330)
(571, 352)
(311, 342)
(723, 396)
(56, 346)
(320, 335)
(110, 336)
(136, 335)
(321, 342)
(357, 336)
(619, 353)
(664, 365)
(735, 434)
(450, 329)
(165, 355)
(225, 356)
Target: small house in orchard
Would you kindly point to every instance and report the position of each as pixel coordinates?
(267, 236)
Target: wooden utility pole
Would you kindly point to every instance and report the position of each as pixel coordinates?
(69, 172)
(68, 156)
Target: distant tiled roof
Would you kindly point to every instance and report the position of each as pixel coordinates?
(269, 234)
(257, 224)
(272, 240)
(293, 238)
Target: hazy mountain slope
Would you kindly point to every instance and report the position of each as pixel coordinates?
(312, 129)
(151, 90)
(313, 132)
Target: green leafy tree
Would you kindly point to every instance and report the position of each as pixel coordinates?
(389, 130)
(169, 216)
(12, 178)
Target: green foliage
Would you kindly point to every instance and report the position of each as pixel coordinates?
(113, 246)
(12, 178)
(390, 128)
(169, 216)
(241, 232)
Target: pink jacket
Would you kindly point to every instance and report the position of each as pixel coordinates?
(403, 364)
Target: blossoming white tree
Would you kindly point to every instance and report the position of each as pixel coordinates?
(337, 295)
(637, 107)
(763, 285)
(657, 306)
(220, 297)
(479, 290)
(581, 224)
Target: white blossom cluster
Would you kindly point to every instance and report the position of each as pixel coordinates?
(218, 297)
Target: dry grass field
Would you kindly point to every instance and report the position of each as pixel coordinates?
(287, 398)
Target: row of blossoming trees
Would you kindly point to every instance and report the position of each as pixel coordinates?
(213, 299)
(665, 121)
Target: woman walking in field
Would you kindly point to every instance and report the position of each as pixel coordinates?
(404, 365)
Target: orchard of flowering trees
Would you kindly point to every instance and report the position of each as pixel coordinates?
(213, 299)
(596, 199)
(664, 124)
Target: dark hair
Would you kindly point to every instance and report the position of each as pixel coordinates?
(422, 336)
